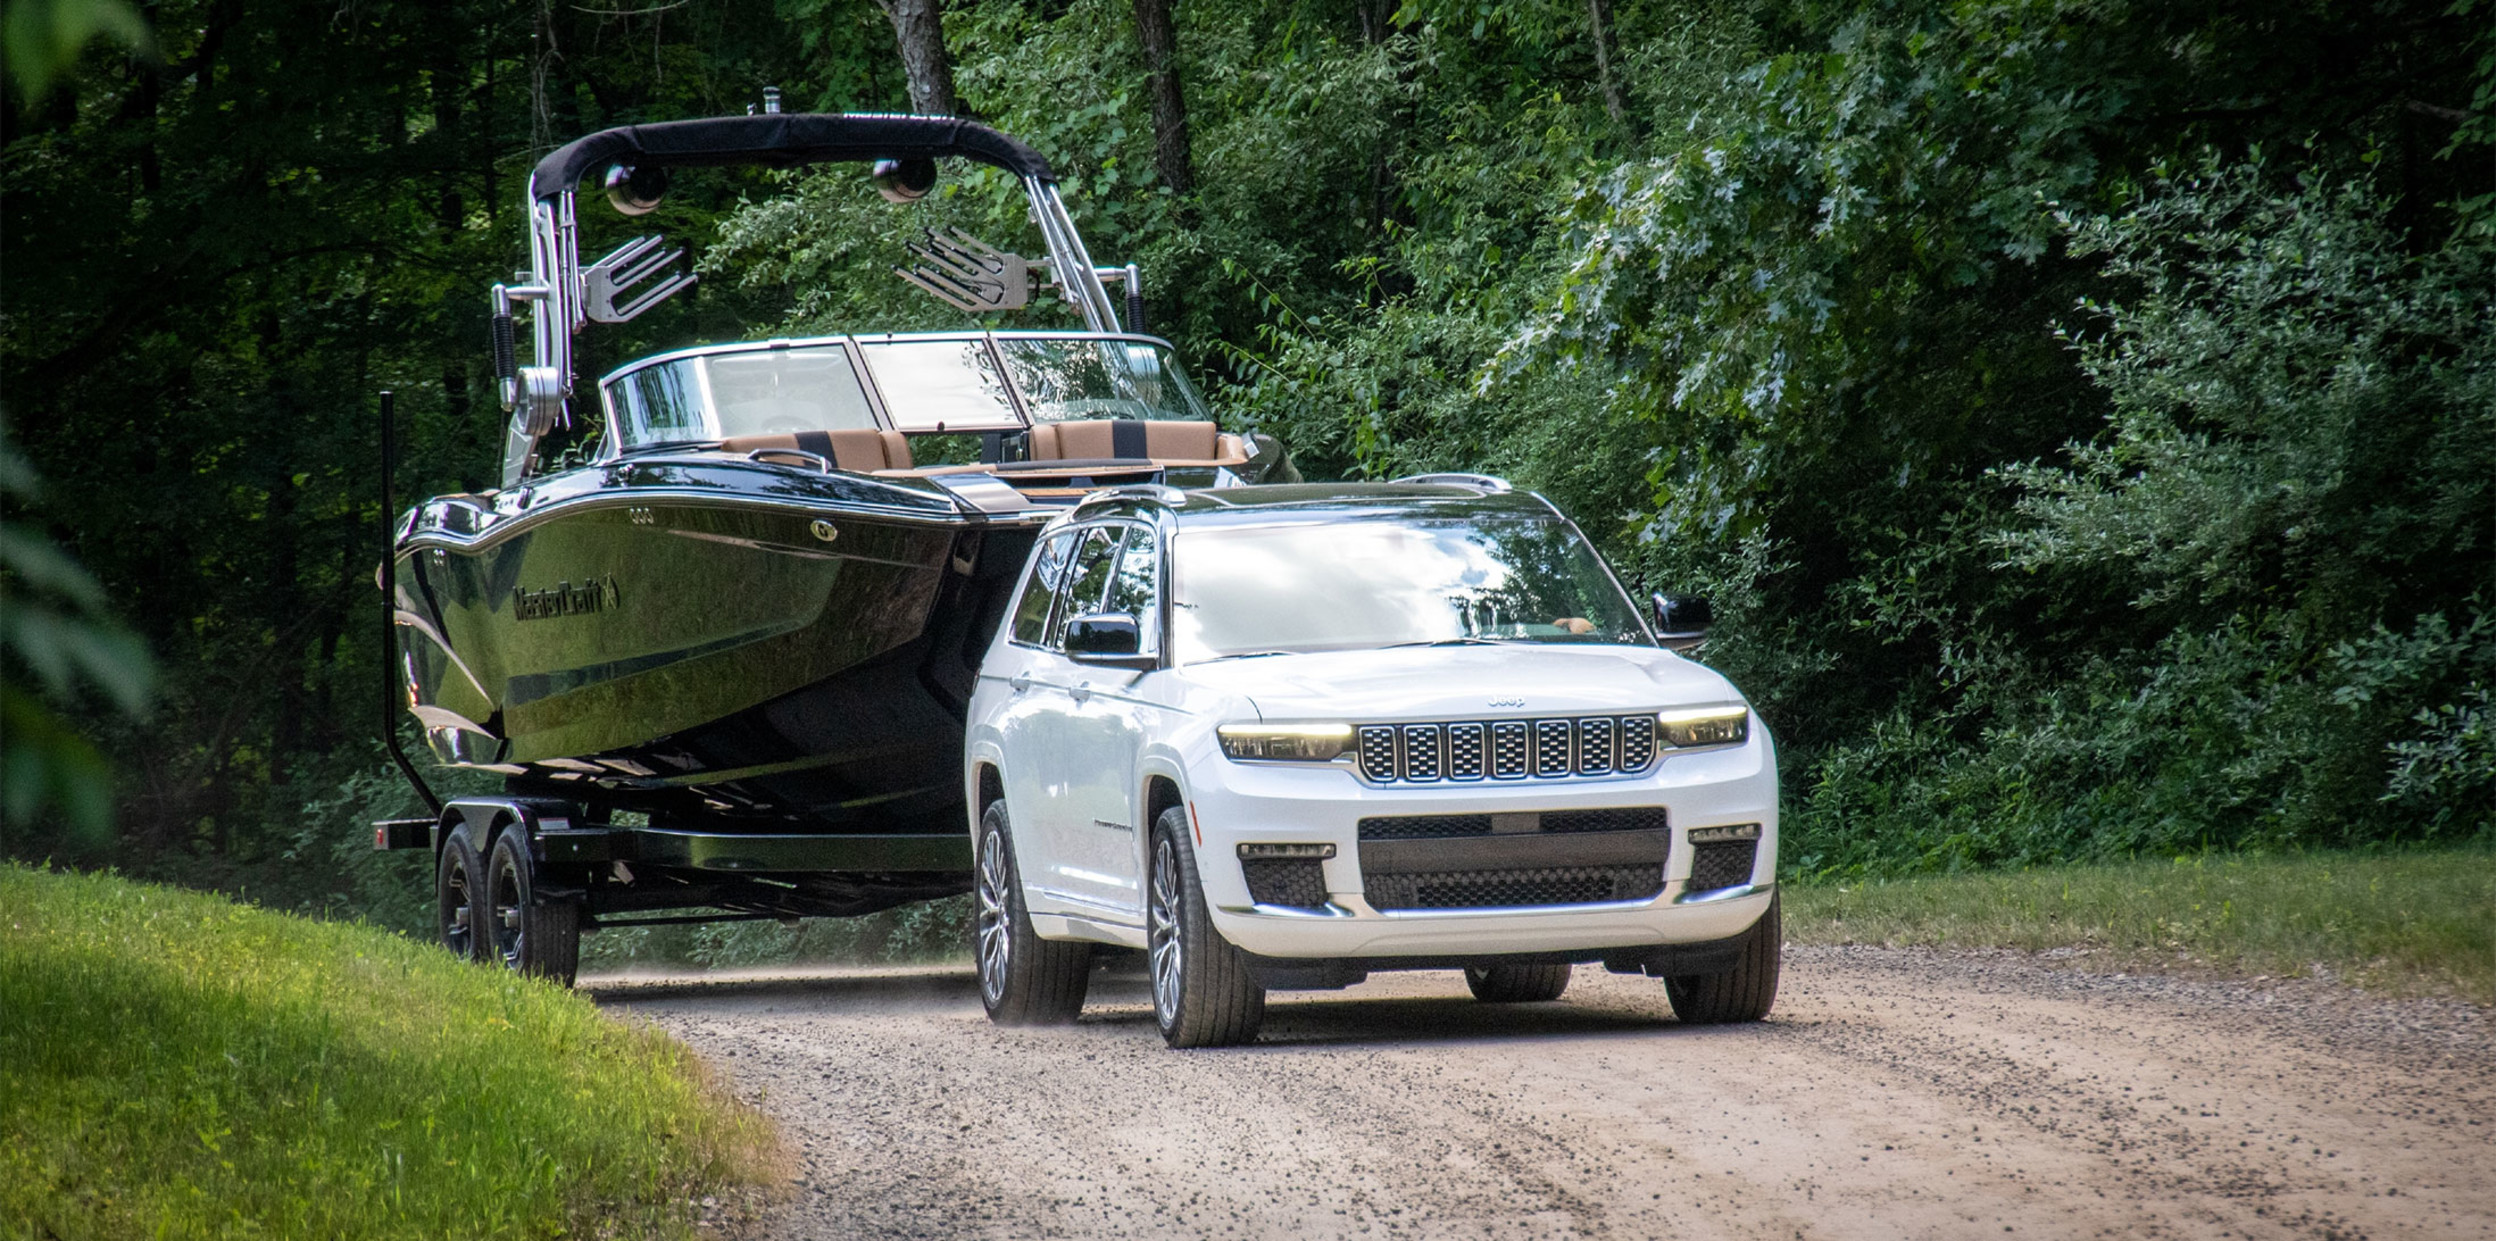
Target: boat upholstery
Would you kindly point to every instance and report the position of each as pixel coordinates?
(861, 451)
(1168, 442)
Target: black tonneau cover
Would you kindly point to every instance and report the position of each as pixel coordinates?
(783, 139)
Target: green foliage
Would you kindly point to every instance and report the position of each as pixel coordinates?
(2416, 923)
(928, 932)
(56, 627)
(41, 39)
(177, 1065)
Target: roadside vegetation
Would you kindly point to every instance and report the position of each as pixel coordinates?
(177, 1065)
(2082, 413)
(2405, 924)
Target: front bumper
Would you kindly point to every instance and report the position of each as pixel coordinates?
(1278, 803)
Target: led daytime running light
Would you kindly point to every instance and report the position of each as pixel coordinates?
(1285, 743)
(1704, 726)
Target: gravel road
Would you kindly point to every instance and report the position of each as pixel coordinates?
(1894, 1093)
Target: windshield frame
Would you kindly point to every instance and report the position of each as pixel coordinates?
(1176, 652)
(614, 446)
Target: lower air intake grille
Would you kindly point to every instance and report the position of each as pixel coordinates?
(1296, 882)
(1634, 819)
(1425, 826)
(1497, 889)
(1721, 864)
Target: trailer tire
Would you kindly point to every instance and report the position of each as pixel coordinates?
(1517, 984)
(524, 932)
(458, 885)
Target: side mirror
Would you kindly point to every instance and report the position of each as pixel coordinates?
(1112, 639)
(1681, 621)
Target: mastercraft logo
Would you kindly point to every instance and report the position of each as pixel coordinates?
(565, 599)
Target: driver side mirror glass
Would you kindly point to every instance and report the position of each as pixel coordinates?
(1111, 638)
(1681, 621)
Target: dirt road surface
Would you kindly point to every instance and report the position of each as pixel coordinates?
(1894, 1093)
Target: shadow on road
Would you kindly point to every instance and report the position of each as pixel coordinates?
(1121, 1005)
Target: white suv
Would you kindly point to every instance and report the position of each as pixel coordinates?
(1279, 737)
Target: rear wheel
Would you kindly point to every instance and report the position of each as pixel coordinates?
(1203, 995)
(458, 874)
(1517, 984)
(524, 932)
(1024, 980)
(1744, 993)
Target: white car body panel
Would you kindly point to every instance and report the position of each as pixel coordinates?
(1077, 747)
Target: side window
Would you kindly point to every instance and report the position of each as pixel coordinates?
(1087, 578)
(1136, 588)
(1031, 614)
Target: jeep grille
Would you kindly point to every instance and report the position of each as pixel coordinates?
(1551, 749)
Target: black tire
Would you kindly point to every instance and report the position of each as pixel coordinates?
(523, 932)
(1024, 980)
(1203, 994)
(1744, 993)
(1517, 984)
(458, 882)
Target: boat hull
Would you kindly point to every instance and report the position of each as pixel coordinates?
(708, 639)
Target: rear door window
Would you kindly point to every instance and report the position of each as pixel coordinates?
(1087, 579)
(1048, 574)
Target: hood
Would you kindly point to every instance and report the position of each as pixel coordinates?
(1465, 682)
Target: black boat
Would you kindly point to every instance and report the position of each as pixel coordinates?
(721, 654)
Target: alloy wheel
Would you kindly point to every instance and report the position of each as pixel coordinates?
(996, 932)
(1161, 925)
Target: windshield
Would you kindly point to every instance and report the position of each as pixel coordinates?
(1064, 379)
(751, 392)
(1359, 585)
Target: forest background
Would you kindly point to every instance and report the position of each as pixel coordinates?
(2082, 413)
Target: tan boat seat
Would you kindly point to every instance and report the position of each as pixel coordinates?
(1166, 442)
(859, 451)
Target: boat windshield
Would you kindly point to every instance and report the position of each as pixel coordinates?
(941, 384)
(1070, 378)
(1369, 583)
(757, 392)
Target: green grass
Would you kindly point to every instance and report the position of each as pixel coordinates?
(176, 1065)
(2403, 924)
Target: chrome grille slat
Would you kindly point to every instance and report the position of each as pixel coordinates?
(1464, 751)
(1551, 747)
(1510, 755)
(1546, 749)
(1421, 752)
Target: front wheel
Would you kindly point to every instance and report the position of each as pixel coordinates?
(1743, 993)
(1024, 980)
(1203, 995)
(527, 934)
(1517, 984)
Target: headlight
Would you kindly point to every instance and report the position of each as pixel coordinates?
(1286, 743)
(1704, 726)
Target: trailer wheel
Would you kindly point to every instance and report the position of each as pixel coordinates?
(457, 874)
(541, 938)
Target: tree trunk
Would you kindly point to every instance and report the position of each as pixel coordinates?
(1612, 102)
(1161, 73)
(919, 28)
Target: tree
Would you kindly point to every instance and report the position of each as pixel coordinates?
(1171, 158)
(919, 27)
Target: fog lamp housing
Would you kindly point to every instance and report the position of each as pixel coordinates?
(1249, 852)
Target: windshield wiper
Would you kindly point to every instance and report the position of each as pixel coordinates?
(1252, 655)
(1446, 642)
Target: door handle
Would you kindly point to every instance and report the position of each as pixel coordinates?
(1021, 682)
(1081, 690)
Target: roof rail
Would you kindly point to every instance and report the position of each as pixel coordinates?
(1157, 493)
(1487, 483)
